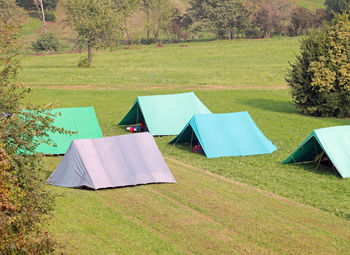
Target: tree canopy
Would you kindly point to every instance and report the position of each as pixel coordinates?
(96, 22)
(320, 77)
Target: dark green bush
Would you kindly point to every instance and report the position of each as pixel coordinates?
(320, 77)
(50, 16)
(47, 42)
(84, 63)
(29, 4)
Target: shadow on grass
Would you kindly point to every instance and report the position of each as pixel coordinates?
(270, 105)
(320, 170)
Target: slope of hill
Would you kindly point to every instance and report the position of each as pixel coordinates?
(65, 33)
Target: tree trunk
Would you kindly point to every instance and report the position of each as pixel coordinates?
(147, 28)
(127, 32)
(267, 31)
(43, 15)
(89, 53)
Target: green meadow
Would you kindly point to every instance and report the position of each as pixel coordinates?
(230, 205)
(238, 63)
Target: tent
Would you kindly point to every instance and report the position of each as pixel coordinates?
(81, 119)
(227, 134)
(112, 162)
(164, 114)
(332, 141)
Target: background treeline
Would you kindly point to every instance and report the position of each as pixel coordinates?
(163, 20)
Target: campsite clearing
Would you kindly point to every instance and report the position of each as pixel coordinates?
(273, 113)
(201, 214)
(206, 210)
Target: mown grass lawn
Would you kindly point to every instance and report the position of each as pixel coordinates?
(274, 114)
(201, 214)
(237, 63)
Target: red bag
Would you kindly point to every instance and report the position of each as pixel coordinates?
(197, 149)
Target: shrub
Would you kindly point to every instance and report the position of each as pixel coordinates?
(47, 42)
(320, 77)
(50, 16)
(84, 63)
(30, 5)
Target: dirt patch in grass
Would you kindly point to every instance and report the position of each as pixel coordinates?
(150, 87)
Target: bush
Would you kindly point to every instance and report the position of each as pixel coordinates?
(147, 41)
(30, 5)
(50, 16)
(320, 77)
(47, 42)
(84, 63)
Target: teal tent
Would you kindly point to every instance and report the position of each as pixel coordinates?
(226, 134)
(81, 119)
(332, 141)
(164, 114)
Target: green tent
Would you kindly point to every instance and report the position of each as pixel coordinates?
(334, 142)
(81, 119)
(164, 114)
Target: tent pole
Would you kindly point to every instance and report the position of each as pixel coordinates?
(176, 141)
(137, 113)
(319, 161)
(191, 139)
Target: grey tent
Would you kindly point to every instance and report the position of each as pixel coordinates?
(112, 162)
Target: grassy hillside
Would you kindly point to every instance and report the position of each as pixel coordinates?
(311, 4)
(238, 64)
(273, 113)
(201, 214)
(32, 29)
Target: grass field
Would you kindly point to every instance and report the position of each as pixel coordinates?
(230, 205)
(201, 214)
(238, 63)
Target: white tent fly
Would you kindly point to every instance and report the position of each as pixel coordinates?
(112, 162)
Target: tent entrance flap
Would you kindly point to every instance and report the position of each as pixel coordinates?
(324, 145)
(134, 116)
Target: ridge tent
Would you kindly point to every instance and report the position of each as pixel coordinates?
(81, 119)
(226, 134)
(333, 141)
(112, 162)
(164, 114)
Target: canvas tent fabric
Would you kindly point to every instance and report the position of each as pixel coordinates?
(164, 114)
(333, 141)
(226, 134)
(112, 162)
(81, 119)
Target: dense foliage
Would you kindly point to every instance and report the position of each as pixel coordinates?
(10, 13)
(24, 202)
(30, 4)
(337, 7)
(47, 42)
(252, 18)
(320, 77)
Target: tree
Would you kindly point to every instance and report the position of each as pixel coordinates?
(224, 16)
(10, 13)
(96, 22)
(127, 8)
(24, 202)
(40, 7)
(337, 6)
(272, 14)
(300, 20)
(320, 77)
(30, 4)
(161, 16)
(146, 8)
